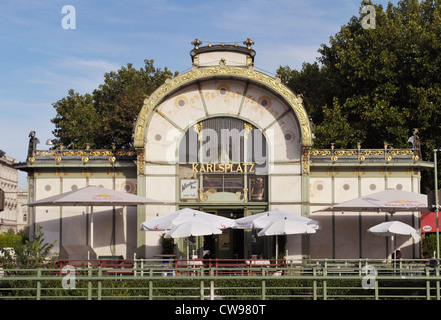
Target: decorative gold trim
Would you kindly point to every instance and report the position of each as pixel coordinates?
(125, 153)
(247, 129)
(198, 129)
(320, 152)
(74, 153)
(174, 84)
(140, 161)
(101, 153)
(346, 152)
(305, 161)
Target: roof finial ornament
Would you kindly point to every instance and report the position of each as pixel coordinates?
(196, 43)
(248, 43)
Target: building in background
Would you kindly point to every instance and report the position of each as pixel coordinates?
(12, 214)
(230, 140)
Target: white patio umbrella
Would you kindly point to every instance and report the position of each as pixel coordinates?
(92, 196)
(390, 201)
(268, 218)
(183, 219)
(285, 227)
(192, 228)
(261, 220)
(171, 220)
(392, 228)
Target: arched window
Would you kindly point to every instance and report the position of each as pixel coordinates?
(227, 155)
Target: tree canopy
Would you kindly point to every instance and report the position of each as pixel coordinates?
(376, 85)
(368, 85)
(107, 115)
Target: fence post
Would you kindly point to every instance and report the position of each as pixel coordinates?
(427, 284)
(325, 283)
(211, 290)
(89, 284)
(150, 284)
(376, 290)
(437, 283)
(38, 284)
(99, 293)
(314, 283)
(202, 294)
(134, 266)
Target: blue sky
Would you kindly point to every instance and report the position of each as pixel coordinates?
(40, 60)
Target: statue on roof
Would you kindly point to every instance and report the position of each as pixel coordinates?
(33, 141)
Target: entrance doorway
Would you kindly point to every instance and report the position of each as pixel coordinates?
(229, 244)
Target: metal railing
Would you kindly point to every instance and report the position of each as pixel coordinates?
(225, 280)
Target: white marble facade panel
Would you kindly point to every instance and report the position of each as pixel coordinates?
(371, 185)
(223, 96)
(285, 168)
(400, 184)
(152, 169)
(320, 190)
(262, 107)
(47, 217)
(74, 219)
(184, 107)
(347, 231)
(162, 140)
(128, 185)
(161, 188)
(214, 58)
(284, 138)
(285, 188)
(346, 189)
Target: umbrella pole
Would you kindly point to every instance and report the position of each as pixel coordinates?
(91, 227)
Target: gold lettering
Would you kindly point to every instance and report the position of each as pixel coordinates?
(223, 167)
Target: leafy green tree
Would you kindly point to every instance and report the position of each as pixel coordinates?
(28, 254)
(107, 115)
(77, 121)
(377, 85)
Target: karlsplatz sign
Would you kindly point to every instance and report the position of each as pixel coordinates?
(223, 167)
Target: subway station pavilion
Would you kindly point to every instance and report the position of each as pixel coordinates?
(229, 140)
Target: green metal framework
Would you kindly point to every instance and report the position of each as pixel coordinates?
(281, 280)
